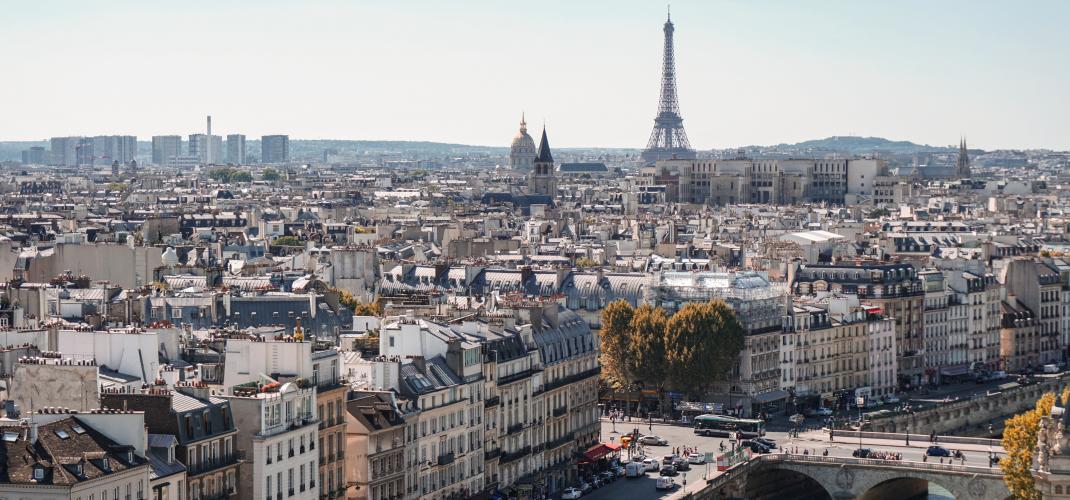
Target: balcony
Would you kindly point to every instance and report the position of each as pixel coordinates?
(516, 455)
(560, 411)
(517, 377)
(446, 458)
(211, 465)
(559, 442)
(572, 378)
(492, 402)
(513, 429)
(492, 454)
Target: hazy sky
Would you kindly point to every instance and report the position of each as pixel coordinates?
(749, 72)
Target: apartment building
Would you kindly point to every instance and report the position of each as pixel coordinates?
(376, 440)
(894, 288)
(59, 455)
(277, 435)
(1039, 287)
(203, 427)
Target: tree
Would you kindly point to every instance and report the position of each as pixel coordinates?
(647, 359)
(615, 337)
(1020, 442)
(287, 241)
(375, 308)
(271, 175)
(702, 341)
(586, 262)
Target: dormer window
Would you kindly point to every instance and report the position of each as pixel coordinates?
(106, 463)
(129, 456)
(39, 473)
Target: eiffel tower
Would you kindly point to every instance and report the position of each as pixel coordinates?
(668, 139)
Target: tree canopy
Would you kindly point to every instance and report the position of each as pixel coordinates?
(1020, 442)
(228, 174)
(287, 241)
(270, 174)
(702, 342)
(687, 351)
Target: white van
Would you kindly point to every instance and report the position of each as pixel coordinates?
(634, 469)
(1051, 369)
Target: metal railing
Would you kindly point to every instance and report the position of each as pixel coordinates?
(219, 463)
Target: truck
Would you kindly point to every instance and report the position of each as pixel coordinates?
(1051, 369)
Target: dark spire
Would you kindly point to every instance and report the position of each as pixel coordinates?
(544, 156)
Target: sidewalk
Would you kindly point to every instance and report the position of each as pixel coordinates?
(823, 437)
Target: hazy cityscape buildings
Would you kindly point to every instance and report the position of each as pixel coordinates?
(407, 320)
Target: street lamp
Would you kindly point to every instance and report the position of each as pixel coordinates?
(861, 402)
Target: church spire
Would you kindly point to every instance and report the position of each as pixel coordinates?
(523, 124)
(543, 155)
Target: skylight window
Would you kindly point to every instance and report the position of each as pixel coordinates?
(78, 429)
(62, 434)
(11, 437)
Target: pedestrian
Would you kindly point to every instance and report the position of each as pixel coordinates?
(941, 459)
(925, 458)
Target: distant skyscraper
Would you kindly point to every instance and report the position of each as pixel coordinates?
(34, 156)
(110, 148)
(236, 149)
(668, 138)
(541, 179)
(205, 148)
(962, 166)
(165, 147)
(522, 151)
(274, 148)
(64, 151)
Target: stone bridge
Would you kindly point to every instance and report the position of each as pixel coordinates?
(949, 417)
(796, 476)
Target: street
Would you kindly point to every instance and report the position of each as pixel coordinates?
(813, 442)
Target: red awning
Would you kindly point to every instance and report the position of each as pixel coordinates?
(600, 450)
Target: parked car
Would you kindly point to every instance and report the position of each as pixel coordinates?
(696, 458)
(891, 399)
(654, 440)
(861, 453)
(584, 487)
(682, 464)
(938, 451)
(596, 482)
(797, 418)
(769, 443)
(650, 464)
(607, 476)
(571, 494)
(668, 459)
(824, 412)
(636, 469)
(668, 470)
(665, 483)
(619, 471)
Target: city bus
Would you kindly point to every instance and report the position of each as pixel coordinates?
(725, 426)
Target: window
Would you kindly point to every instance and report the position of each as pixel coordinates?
(39, 473)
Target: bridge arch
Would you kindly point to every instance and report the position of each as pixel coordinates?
(772, 482)
(901, 487)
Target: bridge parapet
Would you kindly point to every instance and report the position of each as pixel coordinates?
(845, 478)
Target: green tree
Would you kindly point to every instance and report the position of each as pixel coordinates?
(1020, 442)
(241, 176)
(647, 360)
(615, 336)
(702, 341)
(287, 241)
(270, 174)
